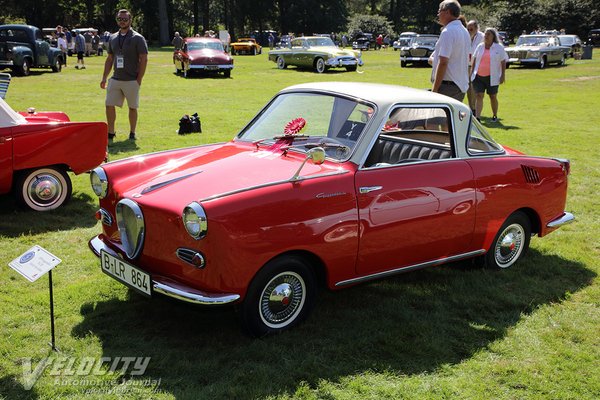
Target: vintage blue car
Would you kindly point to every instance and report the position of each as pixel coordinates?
(23, 47)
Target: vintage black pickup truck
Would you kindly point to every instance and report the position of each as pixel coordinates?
(23, 47)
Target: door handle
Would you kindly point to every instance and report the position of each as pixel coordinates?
(368, 189)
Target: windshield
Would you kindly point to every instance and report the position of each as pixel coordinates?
(205, 45)
(424, 41)
(533, 40)
(320, 41)
(333, 122)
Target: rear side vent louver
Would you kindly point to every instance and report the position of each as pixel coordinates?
(531, 175)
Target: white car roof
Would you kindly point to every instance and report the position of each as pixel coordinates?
(8, 116)
(381, 94)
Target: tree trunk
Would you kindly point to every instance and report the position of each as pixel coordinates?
(163, 23)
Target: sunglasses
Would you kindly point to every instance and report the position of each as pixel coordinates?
(119, 19)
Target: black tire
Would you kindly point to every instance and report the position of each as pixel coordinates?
(543, 62)
(254, 51)
(281, 62)
(403, 64)
(43, 189)
(57, 67)
(320, 66)
(280, 296)
(227, 73)
(563, 61)
(510, 244)
(25, 68)
(351, 68)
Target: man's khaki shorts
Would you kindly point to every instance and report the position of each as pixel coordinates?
(118, 91)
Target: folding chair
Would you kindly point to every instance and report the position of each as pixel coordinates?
(4, 82)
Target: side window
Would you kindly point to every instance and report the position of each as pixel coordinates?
(480, 142)
(413, 134)
(38, 35)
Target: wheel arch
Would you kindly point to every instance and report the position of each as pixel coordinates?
(314, 262)
(534, 218)
(17, 173)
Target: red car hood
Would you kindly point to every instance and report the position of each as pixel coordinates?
(207, 53)
(213, 172)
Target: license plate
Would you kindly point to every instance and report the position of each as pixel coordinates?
(126, 273)
(212, 67)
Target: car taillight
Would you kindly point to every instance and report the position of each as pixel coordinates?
(566, 165)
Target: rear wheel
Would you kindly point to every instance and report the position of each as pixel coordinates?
(57, 67)
(43, 189)
(511, 242)
(320, 65)
(279, 298)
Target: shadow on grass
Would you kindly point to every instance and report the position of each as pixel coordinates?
(410, 324)
(14, 390)
(122, 144)
(15, 221)
(487, 122)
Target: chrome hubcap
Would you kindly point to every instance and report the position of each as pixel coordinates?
(45, 189)
(282, 299)
(509, 245)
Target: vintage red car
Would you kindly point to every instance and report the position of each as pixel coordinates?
(202, 54)
(37, 149)
(330, 184)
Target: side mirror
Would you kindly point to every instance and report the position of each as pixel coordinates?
(316, 154)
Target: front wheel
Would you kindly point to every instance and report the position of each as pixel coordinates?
(511, 242)
(43, 189)
(227, 73)
(543, 62)
(281, 62)
(563, 61)
(403, 64)
(25, 68)
(320, 65)
(351, 68)
(279, 298)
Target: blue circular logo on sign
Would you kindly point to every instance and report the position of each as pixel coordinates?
(27, 257)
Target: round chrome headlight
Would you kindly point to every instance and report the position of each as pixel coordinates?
(99, 182)
(194, 220)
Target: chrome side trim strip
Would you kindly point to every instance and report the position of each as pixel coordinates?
(264, 185)
(96, 245)
(409, 268)
(193, 297)
(566, 218)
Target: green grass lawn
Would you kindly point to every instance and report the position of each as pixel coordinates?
(532, 331)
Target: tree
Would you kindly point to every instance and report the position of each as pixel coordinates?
(375, 24)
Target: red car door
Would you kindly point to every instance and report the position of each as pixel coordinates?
(411, 214)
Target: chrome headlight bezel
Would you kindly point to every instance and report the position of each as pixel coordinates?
(99, 182)
(194, 220)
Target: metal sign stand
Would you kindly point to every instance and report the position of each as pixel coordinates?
(53, 343)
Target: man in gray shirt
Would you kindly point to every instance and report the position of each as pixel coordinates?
(128, 55)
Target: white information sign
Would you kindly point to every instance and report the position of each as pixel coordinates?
(34, 263)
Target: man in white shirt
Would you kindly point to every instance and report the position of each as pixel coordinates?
(450, 75)
(476, 38)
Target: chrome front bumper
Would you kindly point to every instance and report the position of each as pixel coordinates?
(212, 67)
(566, 218)
(168, 287)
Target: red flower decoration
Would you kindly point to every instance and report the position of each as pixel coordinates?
(294, 126)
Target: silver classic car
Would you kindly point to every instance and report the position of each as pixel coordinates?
(315, 52)
(539, 50)
(418, 50)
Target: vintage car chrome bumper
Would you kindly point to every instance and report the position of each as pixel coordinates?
(523, 60)
(5, 62)
(168, 287)
(343, 61)
(211, 67)
(404, 58)
(564, 219)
